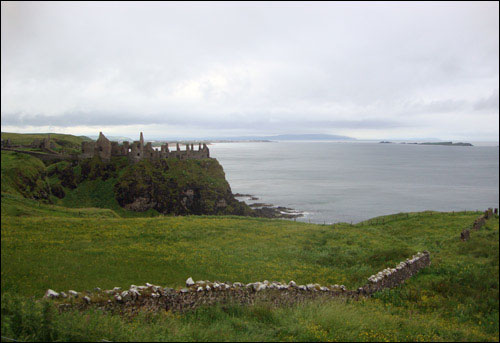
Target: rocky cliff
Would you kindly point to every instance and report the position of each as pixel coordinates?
(181, 187)
(166, 186)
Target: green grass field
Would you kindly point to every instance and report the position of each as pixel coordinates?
(59, 248)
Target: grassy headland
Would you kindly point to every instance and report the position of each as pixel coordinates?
(144, 189)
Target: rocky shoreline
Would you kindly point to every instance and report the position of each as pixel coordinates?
(266, 210)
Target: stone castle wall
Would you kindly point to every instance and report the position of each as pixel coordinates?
(46, 144)
(138, 151)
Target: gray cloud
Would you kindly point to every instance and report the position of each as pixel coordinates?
(490, 102)
(363, 69)
(251, 123)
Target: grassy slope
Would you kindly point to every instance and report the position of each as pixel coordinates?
(455, 299)
(23, 175)
(16, 206)
(64, 143)
(27, 138)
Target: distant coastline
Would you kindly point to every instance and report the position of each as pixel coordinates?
(432, 143)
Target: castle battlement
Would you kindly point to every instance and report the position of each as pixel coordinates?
(138, 151)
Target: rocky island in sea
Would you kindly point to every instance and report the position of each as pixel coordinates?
(433, 143)
(446, 143)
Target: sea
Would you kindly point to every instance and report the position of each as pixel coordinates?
(330, 182)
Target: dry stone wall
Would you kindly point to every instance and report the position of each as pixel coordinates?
(200, 293)
(465, 235)
(392, 277)
(478, 223)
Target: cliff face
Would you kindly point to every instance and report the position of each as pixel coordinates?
(182, 187)
(166, 186)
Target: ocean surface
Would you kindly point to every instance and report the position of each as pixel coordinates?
(353, 181)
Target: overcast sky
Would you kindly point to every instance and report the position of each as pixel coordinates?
(365, 70)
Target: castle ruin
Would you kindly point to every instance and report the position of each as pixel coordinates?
(138, 151)
(44, 143)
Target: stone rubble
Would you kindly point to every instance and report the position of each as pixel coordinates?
(51, 294)
(189, 282)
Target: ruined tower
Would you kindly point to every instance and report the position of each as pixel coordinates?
(103, 148)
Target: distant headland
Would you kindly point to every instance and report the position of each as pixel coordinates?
(432, 143)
